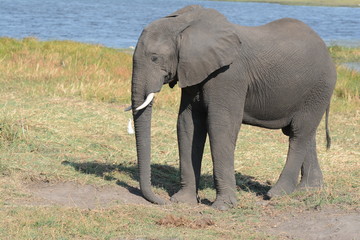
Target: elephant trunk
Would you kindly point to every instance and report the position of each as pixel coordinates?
(142, 123)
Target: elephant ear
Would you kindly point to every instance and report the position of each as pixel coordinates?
(207, 44)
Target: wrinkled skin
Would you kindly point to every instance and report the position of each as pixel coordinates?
(277, 76)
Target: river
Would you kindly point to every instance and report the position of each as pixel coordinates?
(118, 23)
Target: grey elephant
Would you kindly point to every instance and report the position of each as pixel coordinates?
(276, 76)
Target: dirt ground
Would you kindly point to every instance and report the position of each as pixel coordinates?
(82, 196)
(318, 225)
(310, 225)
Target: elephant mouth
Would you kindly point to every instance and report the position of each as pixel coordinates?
(171, 80)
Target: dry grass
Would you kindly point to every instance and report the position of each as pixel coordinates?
(50, 131)
(66, 68)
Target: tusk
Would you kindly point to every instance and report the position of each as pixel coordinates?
(148, 100)
(128, 108)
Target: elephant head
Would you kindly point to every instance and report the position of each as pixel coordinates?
(185, 48)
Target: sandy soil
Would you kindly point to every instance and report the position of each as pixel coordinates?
(309, 225)
(318, 225)
(82, 196)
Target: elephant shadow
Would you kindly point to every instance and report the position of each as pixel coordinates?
(163, 176)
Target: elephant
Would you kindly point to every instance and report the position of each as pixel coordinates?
(276, 76)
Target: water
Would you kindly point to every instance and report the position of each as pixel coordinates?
(352, 65)
(118, 23)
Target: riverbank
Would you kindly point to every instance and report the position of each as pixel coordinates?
(333, 3)
(68, 166)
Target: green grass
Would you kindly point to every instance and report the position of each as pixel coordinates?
(332, 3)
(62, 119)
(348, 83)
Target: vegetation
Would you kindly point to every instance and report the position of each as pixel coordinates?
(348, 84)
(332, 3)
(62, 120)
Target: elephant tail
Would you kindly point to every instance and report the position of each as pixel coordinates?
(328, 138)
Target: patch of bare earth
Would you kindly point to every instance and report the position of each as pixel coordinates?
(318, 225)
(81, 195)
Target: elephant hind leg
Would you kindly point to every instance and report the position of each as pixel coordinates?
(311, 175)
(289, 176)
(301, 154)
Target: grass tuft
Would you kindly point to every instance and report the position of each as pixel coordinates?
(348, 84)
(11, 131)
(342, 54)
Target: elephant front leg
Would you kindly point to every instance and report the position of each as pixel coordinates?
(191, 130)
(222, 142)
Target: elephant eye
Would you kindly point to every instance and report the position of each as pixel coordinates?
(154, 59)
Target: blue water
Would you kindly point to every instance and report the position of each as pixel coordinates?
(118, 23)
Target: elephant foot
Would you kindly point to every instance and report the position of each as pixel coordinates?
(224, 203)
(184, 196)
(310, 184)
(313, 179)
(280, 189)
